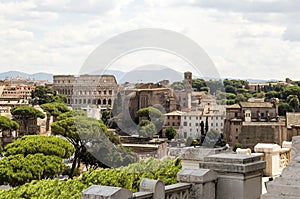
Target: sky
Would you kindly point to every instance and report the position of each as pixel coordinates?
(244, 38)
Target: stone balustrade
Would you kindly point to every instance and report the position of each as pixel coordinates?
(285, 157)
(238, 176)
(287, 186)
(222, 176)
(179, 190)
(276, 158)
(193, 184)
(191, 157)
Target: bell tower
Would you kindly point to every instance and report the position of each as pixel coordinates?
(188, 77)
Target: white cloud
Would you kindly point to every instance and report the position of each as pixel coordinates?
(292, 33)
(244, 38)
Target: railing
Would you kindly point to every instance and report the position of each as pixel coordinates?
(285, 157)
(177, 191)
(174, 191)
(142, 195)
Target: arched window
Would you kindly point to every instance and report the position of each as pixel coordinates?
(109, 101)
(104, 101)
(99, 101)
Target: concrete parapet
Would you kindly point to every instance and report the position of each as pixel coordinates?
(96, 191)
(239, 176)
(157, 187)
(271, 156)
(287, 186)
(286, 144)
(203, 182)
(191, 157)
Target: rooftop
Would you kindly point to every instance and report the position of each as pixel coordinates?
(256, 105)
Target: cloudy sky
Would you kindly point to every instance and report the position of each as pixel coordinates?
(244, 38)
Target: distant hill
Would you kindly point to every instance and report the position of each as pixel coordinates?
(144, 74)
(117, 73)
(35, 76)
(148, 73)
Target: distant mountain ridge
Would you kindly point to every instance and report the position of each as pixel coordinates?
(121, 76)
(35, 76)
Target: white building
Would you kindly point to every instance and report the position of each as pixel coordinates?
(216, 116)
(191, 121)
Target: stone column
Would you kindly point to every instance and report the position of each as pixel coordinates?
(203, 182)
(271, 156)
(96, 191)
(239, 176)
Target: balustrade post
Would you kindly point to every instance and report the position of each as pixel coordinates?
(271, 156)
(203, 182)
(96, 191)
(239, 176)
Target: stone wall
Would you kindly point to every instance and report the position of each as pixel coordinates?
(261, 133)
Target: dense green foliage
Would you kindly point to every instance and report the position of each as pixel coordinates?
(235, 91)
(55, 108)
(177, 86)
(43, 95)
(33, 158)
(147, 129)
(7, 124)
(17, 169)
(94, 146)
(170, 132)
(23, 114)
(149, 112)
(126, 177)
(151, 121)
(47, 145)
(236, 146)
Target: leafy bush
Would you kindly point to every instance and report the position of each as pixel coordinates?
(127, 177)
(236, 146)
